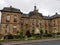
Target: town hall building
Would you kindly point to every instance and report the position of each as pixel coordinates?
(13, 21)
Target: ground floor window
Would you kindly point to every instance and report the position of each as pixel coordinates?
(7, 29)
(14, 29)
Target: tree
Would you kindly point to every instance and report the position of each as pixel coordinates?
(21, 34)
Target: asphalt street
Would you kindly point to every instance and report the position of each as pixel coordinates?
(54, 42)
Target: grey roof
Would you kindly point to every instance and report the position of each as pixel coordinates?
(8, 9)
(55, 16)
(46, 17)
(32, 13)
(25, 16)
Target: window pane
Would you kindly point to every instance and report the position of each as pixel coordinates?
(7, 29)
(15, 18)
(14, 29)
(32, 22)
(7, 18)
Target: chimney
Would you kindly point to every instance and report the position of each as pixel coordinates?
(10, 6)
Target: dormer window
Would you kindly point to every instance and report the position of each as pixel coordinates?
(15, 18)
(7, 18)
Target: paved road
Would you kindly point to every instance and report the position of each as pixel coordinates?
(55, 42)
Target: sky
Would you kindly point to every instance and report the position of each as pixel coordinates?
(46, 7)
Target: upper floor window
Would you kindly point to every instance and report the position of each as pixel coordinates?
(7, 18)
(26, 22)
(15, 18)
(32, 22)
(14, 29)
(45, 23)
(7, 29)
(37, 23)
(21, 22)
(40, 23)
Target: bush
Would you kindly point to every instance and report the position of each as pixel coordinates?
(20, 36)
(9, 36)
(47, 35)
(58, 33)
(28, 34)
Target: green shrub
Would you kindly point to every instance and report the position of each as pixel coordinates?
(47, 35)
(8, 36)
(58, 33)
(28, 34)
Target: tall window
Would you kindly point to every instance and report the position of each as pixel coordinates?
(40, 24)
(7, 29)
(26, 22)
(32, 22)
(54, 22)
(15, 18)
(7, 18)
(14, 29)
(37, 23)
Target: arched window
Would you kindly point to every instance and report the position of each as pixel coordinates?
(15, 18)
(7, 18)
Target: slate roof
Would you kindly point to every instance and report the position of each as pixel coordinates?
(32, 13)
(8, 9)
(46, 17)
(25, 16)
(55, 16)
(11, 9)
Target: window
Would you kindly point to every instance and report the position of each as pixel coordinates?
(36, 22)
(7, 29)
(14, 29)
(26, 22)
(7, 18)
(45, 23)
(32, 28)
(40, 24)
(32, 22)
(54, 22)
(21, 22)
(15, 18)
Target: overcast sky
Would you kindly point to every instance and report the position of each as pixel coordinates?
(47, 7)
